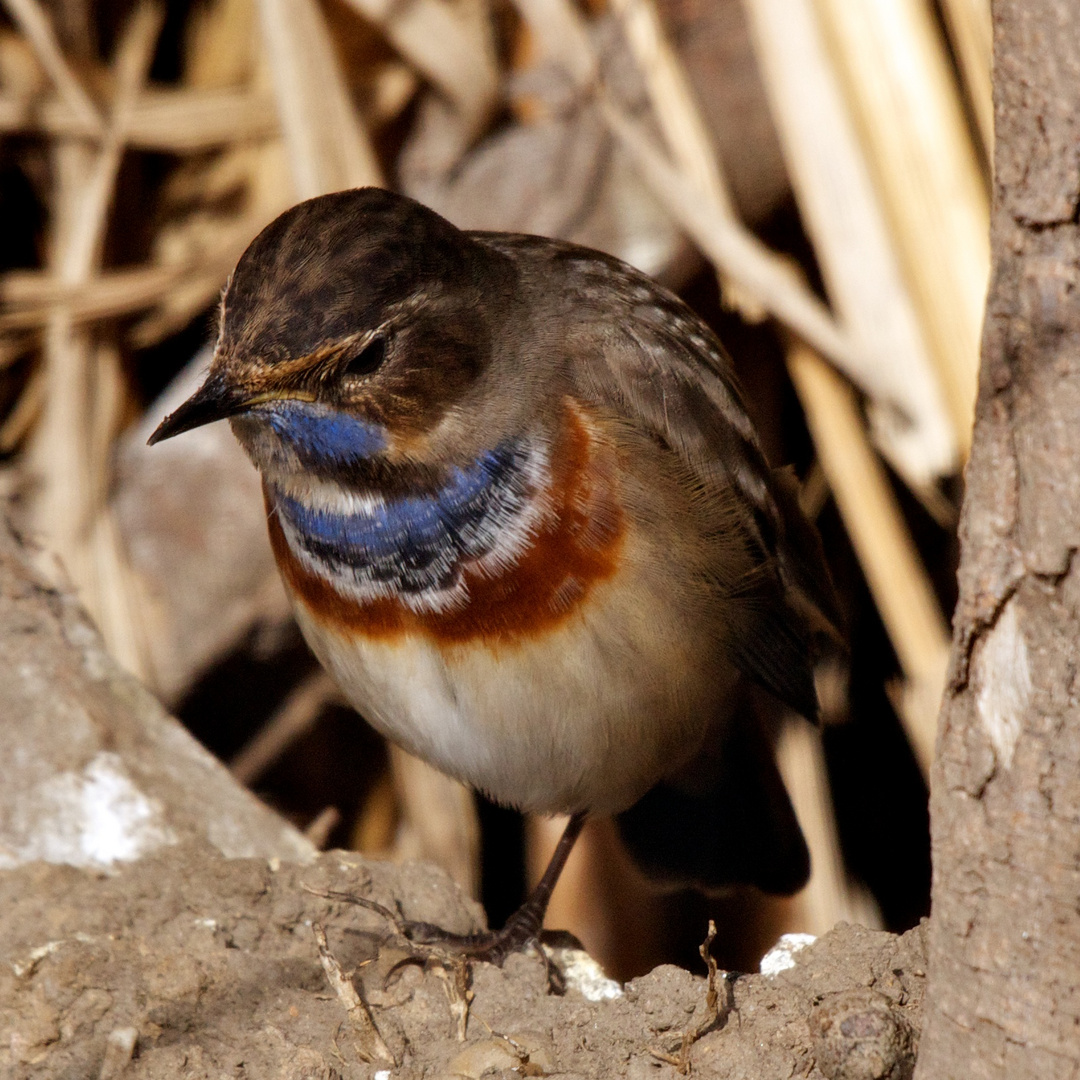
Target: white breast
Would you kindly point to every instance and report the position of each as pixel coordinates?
(587, 716)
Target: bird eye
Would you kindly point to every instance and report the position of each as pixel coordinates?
(365, 360)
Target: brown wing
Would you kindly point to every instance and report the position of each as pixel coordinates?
(655, 362)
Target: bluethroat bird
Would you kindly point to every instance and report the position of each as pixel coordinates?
(527, 525)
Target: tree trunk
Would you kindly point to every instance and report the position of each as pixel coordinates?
(1004, 968)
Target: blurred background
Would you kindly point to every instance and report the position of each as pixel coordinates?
(811, 176)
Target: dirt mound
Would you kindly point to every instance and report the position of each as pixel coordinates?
(188, 964)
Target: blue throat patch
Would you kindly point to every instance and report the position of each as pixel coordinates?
(414, 543)
(320, 435)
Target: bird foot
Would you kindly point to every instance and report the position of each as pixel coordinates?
(492, 946)
(522, 933)
(428, 943)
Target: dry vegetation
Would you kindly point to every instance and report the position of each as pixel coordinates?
(822, 161)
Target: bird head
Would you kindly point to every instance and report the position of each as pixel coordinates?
(356, 328)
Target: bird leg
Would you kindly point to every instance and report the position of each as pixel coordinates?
(521, 929)
(431, 942)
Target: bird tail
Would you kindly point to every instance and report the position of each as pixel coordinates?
(723, 820)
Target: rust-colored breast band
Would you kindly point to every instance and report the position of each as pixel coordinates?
(576, 546)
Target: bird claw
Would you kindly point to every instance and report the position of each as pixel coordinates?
(429, 941)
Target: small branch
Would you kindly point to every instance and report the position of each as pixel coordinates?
(456, 976)
(371, 1045)
(717, 1013)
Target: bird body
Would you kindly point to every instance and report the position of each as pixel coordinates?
(558, 675)
(520, 509)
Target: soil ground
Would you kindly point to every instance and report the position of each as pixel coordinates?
(188, 964)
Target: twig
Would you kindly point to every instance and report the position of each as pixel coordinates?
(716, 1012)
(119, 1050)
(454, 969)
(391, 917)
(456, 975)
(705, 952)
(372, 1046)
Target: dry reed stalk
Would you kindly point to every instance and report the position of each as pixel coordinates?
(559, 33)
(688, 140)
(897, 579)
(25, 413)
(684, 131)
(972, 36)
(322, 825)
(167, 121)
(904, 97)
(85, 393)
(450, 42)
(438, 820)
(375, 827)
(193, 120)
(221, 57)
(13, 346)
(218, 244)
(32, 20)
(221, 46)
(30, 296)
(393, 87)
(736, 252)
(830, 896)
(766, 276)
(846, 222)
(294, 718)
(27, 295)
(327, 143)
(762, 274)
(21, 74)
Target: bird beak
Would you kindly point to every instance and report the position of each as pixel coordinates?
(214, 400)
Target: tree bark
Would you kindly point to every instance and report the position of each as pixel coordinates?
(1004, 967)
